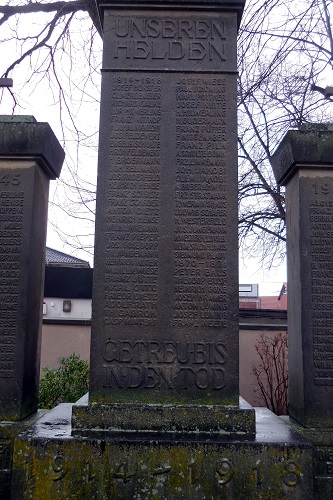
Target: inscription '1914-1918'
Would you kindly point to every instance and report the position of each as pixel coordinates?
(169, 364)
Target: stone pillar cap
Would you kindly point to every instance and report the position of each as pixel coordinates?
(22, 137)
(231, 5)
(309, 147)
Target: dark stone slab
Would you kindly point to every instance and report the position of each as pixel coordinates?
(23, 137)
(309, 218)
(165, 295)
(49, 463)
(23, 217)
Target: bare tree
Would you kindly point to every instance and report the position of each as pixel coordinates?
(285, 49)
(271, 372)
(53, 48)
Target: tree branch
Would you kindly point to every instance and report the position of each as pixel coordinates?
(63, 7)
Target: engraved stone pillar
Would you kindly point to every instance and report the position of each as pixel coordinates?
(30, 156)
(165, 299)
(304, 164)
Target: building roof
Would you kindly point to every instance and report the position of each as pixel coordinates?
(249, 298)
(56, 258)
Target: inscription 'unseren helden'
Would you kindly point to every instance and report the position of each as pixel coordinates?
(321, 239)
(11, 217)
(156, 39)
(164, 364)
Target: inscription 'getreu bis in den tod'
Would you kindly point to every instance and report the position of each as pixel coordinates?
(164, 364)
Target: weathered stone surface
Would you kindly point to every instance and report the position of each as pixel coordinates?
(322, 458)
(24, 137)
(309, 190)
(221, 421)
(8, 432)
(310, 146)
(49, 464)
(6, 450)
(165, 299)
(23, 216)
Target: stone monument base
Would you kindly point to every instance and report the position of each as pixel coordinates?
(50, 463)
(228, 421)
(322, 440)
(8, 433)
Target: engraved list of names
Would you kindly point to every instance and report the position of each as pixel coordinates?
(133, 185)
(11, 217)
(200, 203)
(321, 244)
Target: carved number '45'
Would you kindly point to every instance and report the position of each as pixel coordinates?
(7, 179)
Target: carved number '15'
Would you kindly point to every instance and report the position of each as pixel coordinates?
(13, 179)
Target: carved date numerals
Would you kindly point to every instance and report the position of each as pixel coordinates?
(10, 179)
(165, 469)
(29, 476)
(58, 467)
(225, 471)
(322, 188)
(290, 477)
(123, 473)
(193, 471)
(89, 472)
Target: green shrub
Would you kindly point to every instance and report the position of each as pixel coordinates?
(66, 384)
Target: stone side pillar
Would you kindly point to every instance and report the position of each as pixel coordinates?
(30, 156)
(304, 164)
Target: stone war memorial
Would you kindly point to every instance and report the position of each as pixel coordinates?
(163, 418)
